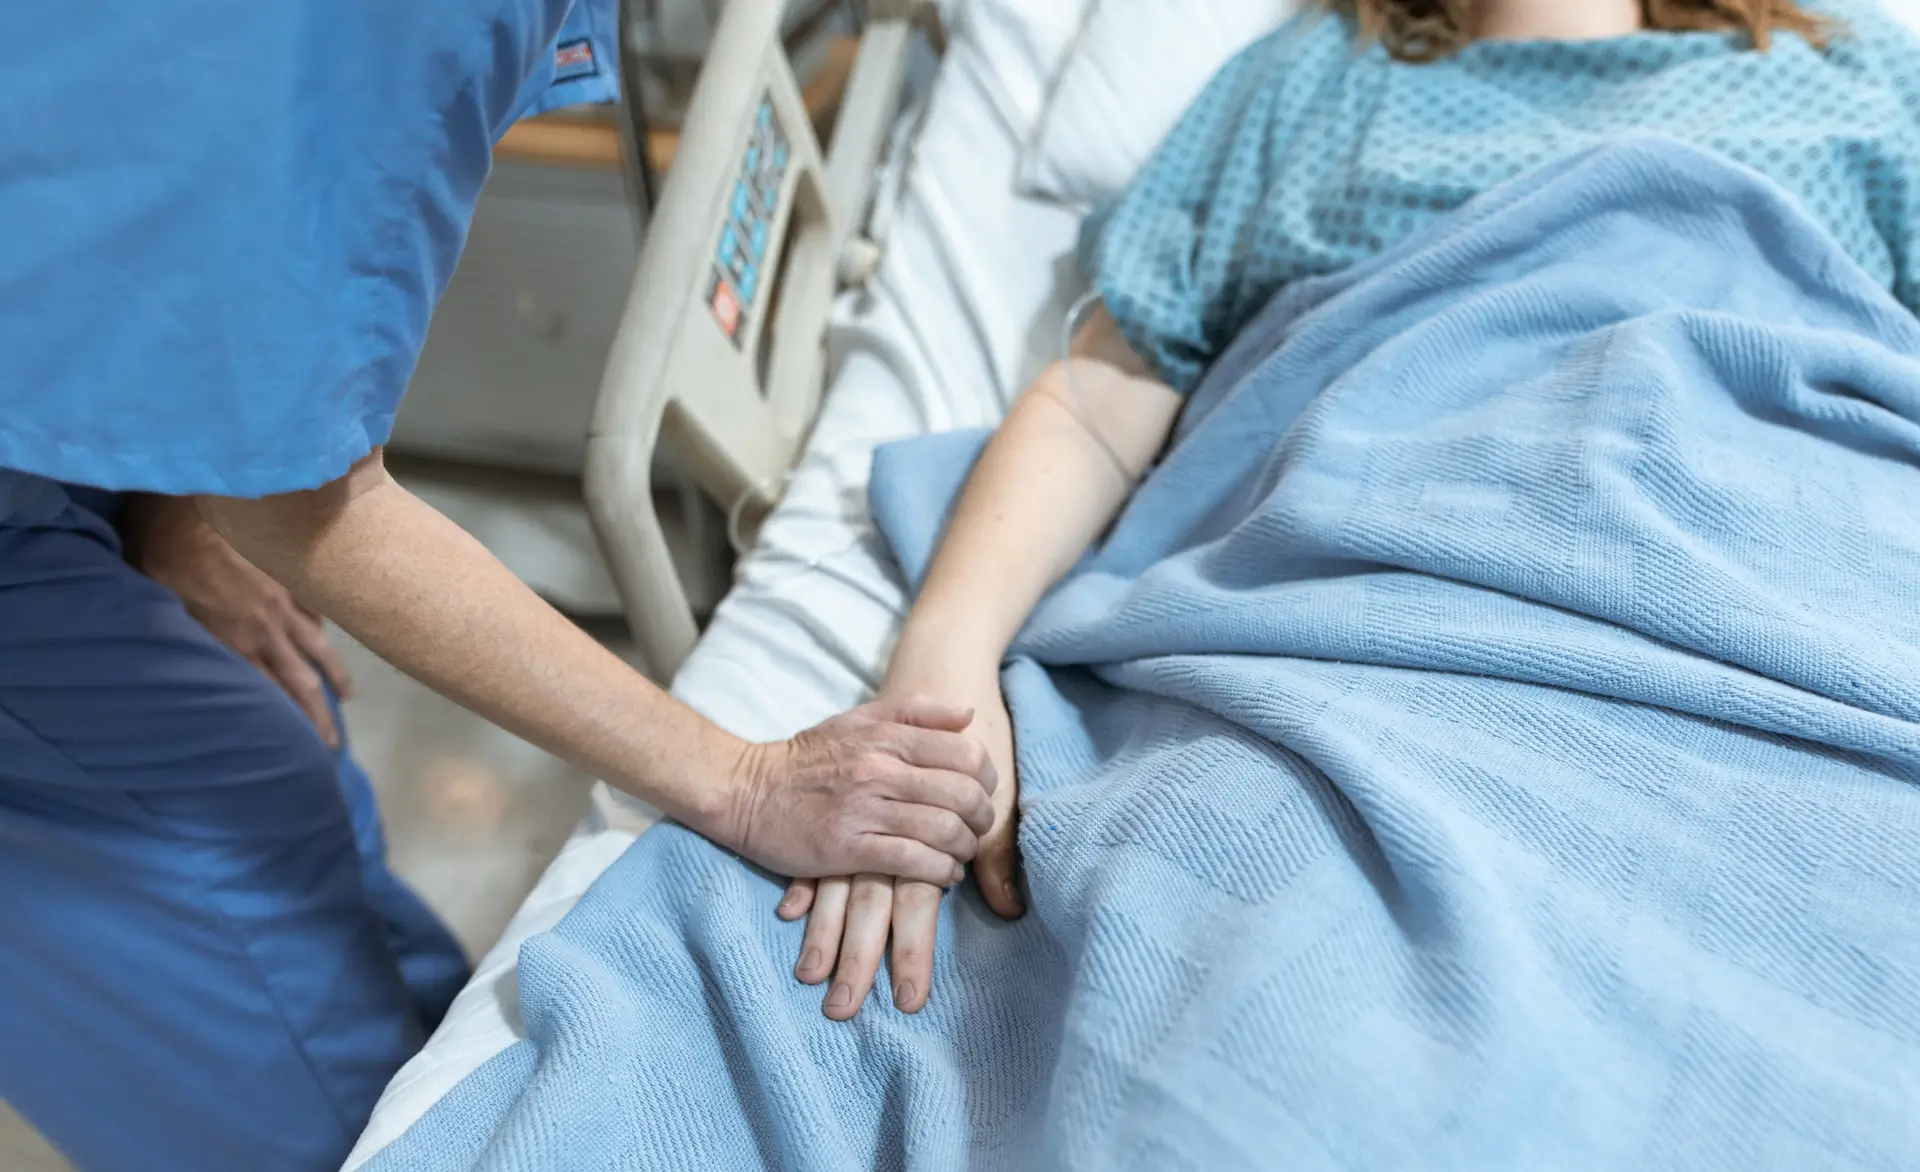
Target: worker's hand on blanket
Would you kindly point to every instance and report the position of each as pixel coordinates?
(892, 788)
(167, 540)
(851, 918)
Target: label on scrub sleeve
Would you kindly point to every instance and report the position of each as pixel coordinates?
(574, 60)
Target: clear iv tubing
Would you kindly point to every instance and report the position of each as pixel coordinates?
(1069, 326)
(806, 564)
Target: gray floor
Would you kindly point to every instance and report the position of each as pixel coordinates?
(473, 816)
(473, 813)
(23, 1151)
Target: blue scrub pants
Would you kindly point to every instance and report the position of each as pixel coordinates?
(204, 961)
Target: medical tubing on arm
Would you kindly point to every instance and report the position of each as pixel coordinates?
(1076, 405)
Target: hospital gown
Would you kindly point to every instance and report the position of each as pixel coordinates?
(1304, 156)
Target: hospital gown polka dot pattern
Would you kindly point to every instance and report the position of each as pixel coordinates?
(1304, 156)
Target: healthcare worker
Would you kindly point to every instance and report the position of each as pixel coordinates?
(223, 228)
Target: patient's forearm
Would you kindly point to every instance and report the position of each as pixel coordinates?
(1044, 489)
(431, 600)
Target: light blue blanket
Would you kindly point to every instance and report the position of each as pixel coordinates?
(1489, 742)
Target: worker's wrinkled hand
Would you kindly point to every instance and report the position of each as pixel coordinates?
(893, 788)
(852, 919)
(237, 603)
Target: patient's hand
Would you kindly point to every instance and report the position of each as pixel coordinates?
(851, 918)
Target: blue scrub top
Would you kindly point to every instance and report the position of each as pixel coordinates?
(224, 224)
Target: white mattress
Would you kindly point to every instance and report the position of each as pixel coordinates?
(966, 308)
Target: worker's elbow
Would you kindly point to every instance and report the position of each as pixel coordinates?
(239, 522)
(265, 529)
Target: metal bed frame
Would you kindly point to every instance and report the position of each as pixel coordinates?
(712, 366)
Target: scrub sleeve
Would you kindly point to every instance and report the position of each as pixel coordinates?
(223, 229)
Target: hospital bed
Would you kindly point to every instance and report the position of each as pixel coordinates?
(904, 265)
(908, 288)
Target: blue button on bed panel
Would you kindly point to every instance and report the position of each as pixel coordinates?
(753, 158)
(742, 208)
(759, 239)
(729, 243)
(749, 277)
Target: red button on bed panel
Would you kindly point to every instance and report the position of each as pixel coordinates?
(726, 307)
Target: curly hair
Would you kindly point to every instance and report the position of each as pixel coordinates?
(1426, 30)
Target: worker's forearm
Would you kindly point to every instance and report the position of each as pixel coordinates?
(431, 600)
(1043, 490)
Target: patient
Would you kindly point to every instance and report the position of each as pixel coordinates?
(1339, 136)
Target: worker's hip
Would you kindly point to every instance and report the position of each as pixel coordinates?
(205, 950)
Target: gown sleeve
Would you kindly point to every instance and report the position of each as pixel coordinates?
(1162, 253)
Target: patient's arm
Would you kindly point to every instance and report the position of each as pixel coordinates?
(1044, 489)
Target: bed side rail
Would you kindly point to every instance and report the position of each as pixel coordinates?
(719, 356)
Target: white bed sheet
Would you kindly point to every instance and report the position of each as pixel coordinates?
(965, 309)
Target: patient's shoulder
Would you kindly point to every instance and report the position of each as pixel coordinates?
(1875, 46)
(1315, 39)
(1283, 74)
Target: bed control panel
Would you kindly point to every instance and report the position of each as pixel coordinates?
(720, 359)
(742, 257)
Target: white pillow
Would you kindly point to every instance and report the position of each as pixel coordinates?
(1022, 45)
(1137, 67)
